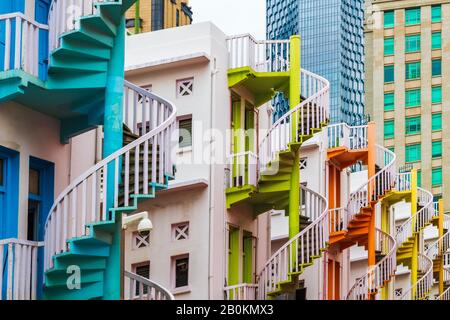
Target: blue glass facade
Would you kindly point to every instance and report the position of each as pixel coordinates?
(332, 33)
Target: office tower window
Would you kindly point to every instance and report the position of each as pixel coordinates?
(419, 178)
(412, 16)
(389, 73)
(436, 149)
(436, 177)
(157, 15)
(413, 152)
(389, 19)
(185, 132)
(413, 98)
(436, 94)
(388, 46)
(436, 40)
(388, 129)
(436, 121)
(412, 43)
(412, 125)
(389, 101)
(436, 67)
(436, 13)
(412, 70)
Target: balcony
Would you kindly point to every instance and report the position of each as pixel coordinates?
(263, 67)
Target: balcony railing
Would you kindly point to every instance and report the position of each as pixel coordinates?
(18, 265)
(261, 56)
(243, 291)
(242, 170)
(20, 49)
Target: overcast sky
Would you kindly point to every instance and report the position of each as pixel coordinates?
(233, 16)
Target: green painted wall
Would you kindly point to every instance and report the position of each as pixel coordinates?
(233, 257)
(247, 269)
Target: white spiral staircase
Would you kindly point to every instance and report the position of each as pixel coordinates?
(79, 220)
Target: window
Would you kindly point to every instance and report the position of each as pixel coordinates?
(436, 121)
(178, 18)
(419, 178)
(185, 87)
(389, 129)
(389, 101)
(143, 270)
(33, 181)
(412, 98)
(436, 13)
(180, 231)
(412, 16)
(180, 269)
(413, 125)
(436, 94)
(436, 149)
(436, 177)
(436, 67)
(185, 132)
(412, 70)
(413, 152)
(303, 163)
(388, 46)
(436, 40)
(157, 15)
(398, 293)
(389, 19)
(412, 43)
(389, 73)
(140, 241)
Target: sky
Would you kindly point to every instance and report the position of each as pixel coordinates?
(233, 16)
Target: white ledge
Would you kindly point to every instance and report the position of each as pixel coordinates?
(172, 62)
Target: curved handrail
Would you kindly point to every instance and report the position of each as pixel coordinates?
(379, 274)
(64, 15)
(314, 108)
(243, 291)
(423, 286)
(446, 294)
(298, 250)
(377, 185)
(159, 117)
(146, 288)
(418, 221)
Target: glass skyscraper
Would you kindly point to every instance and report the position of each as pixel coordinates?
(332, 33)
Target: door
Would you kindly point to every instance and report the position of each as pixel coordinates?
(41, 16)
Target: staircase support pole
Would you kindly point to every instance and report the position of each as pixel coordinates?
(385, 228)
(415, 249)
(294, 100)
(113, 141)
(371, 162)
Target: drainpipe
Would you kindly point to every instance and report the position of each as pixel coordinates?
(211, 186)
(137, 18)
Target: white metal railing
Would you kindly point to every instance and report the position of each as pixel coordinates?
(242, 169)
(376, 186)
(447, 259)
(261, 56)
(18, 265)
(140, 288)
(418, 221)
(86, 199)
(446, 294)
(378, 275)
(21, 46)
(64, 16)
(338, 219)
(309, 114)
(439, 247)
(422, 287)
(300, 249)
(343, 135)
(245, 291)
(403, 181)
